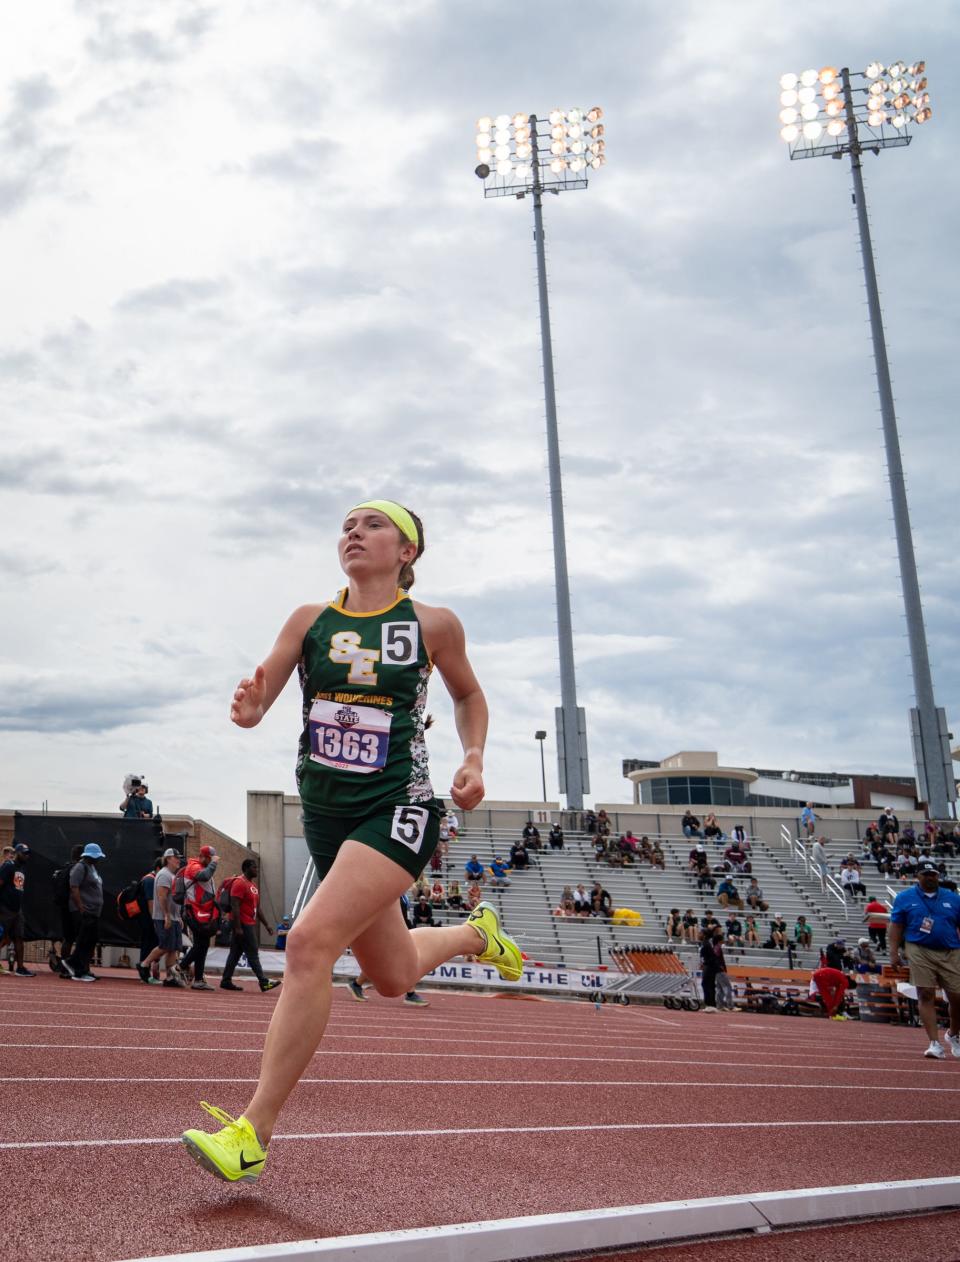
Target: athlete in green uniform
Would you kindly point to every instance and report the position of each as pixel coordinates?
(371, 819)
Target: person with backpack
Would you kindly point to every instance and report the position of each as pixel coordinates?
(245, 911)
(167, 923)
(201, 912)
(64, 909)
(149, 974)
(86, 895)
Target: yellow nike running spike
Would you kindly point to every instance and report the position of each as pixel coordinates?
(231, 1154)
(501, 951)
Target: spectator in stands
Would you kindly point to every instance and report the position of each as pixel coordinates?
(601, 904)
(423, 913)
(629, 846)
(454, 896)
(564, 908)
(801, 933)
(818, 856)
(674, 925)
(474, 895)
(589, 823)
(645, 850)
(708, 922)
(836, 955)
(439, 855)
(581, 901)
(690, 824)
(808, 819)
(754, 896)
(752, 935)
(928, 918)
(603, 823)
(733, 930)
(475, 870)
(531, 835)
(737, 857)
(658, 859)
(778, 932)
(889, 827)
(697, 856)
(717, 989)
(691, 930)
(866, 960)
(555, 837)
(602, 853)
(438, 897)
(851, 882)
(712, 830)
(705, 878)
(421, 888)
(453, 823)
(877, 916)
(498, 872)
(12, 881)
(519, 858)
(728, 895)
(740, 835)
(136, 804)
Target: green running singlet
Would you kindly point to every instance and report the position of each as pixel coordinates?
(364, 678)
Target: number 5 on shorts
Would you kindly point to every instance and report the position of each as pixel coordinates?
(409, 826)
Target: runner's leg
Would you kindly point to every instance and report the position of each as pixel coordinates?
(395, 957)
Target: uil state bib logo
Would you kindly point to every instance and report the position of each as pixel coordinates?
(349, 738)
(347, 717)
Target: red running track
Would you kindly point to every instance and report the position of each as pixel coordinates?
(473, 1108)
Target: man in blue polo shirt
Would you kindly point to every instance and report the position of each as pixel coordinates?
(926, 918)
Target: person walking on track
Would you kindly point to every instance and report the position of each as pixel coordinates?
(926, 918)
(370, 816)
(245, 912)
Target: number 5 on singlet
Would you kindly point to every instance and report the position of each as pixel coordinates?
(409, 826)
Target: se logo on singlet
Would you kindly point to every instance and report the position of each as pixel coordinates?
(399, 646)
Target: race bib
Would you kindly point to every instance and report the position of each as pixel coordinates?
(349, 737)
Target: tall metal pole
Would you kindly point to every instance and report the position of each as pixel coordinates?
(931, 745)
(543, 771)
(568, 682)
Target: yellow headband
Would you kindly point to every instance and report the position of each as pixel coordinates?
(397, 514)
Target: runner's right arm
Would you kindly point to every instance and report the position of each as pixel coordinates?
(254, 696)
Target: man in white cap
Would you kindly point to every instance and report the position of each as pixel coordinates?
(168, 923)
(927, 919)
(86, 898)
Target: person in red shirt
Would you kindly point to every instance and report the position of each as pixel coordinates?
(877, 916)
(245, 905)
(831, 985)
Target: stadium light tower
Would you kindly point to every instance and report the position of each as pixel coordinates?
(840, 112)
(520, 154)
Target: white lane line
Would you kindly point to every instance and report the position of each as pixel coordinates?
(710, 1083)
(502, 1130)
(420, 1039)
(484, 1056)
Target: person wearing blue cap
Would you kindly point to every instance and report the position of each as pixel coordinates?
(86, 895)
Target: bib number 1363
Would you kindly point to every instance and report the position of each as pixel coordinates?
(409, 826)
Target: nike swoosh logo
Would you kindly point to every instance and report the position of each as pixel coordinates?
(500, 946)
(247, 1165)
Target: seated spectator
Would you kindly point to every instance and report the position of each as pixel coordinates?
(733, 930)
(689, 925)
(801, 932)
(454, 896)
(629, 846)
(737, 857)
(751, 935)
(531, 835)
(645, 850)
(739, 835)
(601, 904)
(690, 825)
(697, 856)
(658, 858)
(519, 858)
(674, 925)
(438, 897)
(778, 932)
(850, 880)
(581, 901)
(836, 955)
(421, 888)
(422, 912)
(498, 872)
(600, 852)
(727, 894)
(708, 923)
(712, 830)
(705, 879)
(754, 895)
(555, 837)
(475, 870)
(589, 823)
(603, 823)
(865, 958)
(565, 908)
(474, 896)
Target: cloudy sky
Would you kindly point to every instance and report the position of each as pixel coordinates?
(249, 276)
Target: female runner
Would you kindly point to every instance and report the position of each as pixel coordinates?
(370, 817)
